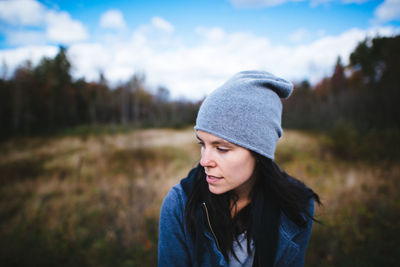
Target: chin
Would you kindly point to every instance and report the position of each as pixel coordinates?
(216, 190)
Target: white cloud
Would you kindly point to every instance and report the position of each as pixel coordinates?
(161, 24)
(195, 70)
(26, 37)
(214, 34)
(387, 11)
(16, 56)
(21, 12)
(158, 33)
(90, 59)
(112, 19)
(49, 25)
(62, 29)
(299, 35)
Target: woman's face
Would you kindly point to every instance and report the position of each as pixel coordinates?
(227, 166)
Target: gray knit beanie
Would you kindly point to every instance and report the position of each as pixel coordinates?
(246, 111)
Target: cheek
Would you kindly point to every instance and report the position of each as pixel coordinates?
(242, 168)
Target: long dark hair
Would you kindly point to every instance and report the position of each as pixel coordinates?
(273, 192)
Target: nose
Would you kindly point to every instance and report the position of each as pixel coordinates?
(207, 159)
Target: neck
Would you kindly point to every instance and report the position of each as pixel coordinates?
(239, 205)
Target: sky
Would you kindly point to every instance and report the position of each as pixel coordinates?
(191, 47)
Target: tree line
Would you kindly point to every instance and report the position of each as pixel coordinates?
(358, 104)
(356, 100)
(45, 98)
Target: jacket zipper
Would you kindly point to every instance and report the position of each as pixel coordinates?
(209, 224)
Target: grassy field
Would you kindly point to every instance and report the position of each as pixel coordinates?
(94, 200)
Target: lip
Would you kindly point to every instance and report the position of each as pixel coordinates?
(212, 179)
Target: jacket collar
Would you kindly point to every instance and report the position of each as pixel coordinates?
(188, 182)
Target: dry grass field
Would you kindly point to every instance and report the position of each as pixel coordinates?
(93, 200)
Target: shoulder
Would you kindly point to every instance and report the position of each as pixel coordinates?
(175, 199)
(174, 247)
(310, 207)
(306, 195)
(293, 240)
(290, 229)
(173, 210)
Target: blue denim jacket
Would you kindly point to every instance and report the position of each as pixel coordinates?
(175, 247)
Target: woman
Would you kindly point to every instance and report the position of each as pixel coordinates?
(237, 208)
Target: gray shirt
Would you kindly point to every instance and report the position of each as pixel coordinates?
(245, 257)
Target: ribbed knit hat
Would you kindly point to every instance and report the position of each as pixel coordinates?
(246, 111)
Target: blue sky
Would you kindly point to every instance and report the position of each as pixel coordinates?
(191, 47)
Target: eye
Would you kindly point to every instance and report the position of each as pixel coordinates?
(201, 143)
(222, 149)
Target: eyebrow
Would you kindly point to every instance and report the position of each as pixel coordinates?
(218, 142)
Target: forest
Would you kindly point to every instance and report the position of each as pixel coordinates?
(45, 99)
(84, 165)
(358, 102)
(357, 105)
